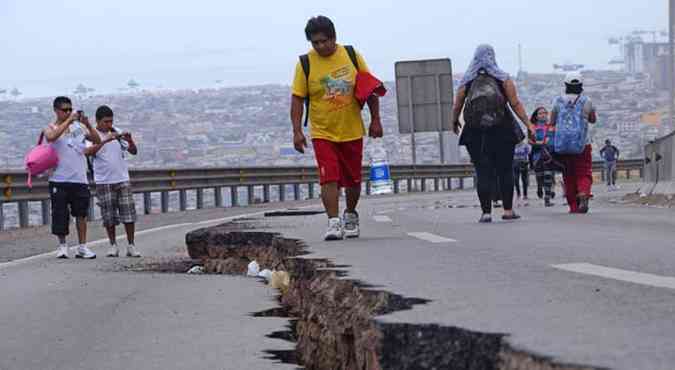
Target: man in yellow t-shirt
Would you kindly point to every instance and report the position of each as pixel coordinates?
(337, 128)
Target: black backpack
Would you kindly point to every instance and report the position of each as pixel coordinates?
(304, 62)
(485, 103)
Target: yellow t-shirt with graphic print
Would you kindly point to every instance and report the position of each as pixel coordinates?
(334, 112)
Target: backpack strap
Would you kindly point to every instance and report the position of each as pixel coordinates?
(352, 55)
(304, 62)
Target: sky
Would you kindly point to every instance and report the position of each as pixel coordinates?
(49, 47)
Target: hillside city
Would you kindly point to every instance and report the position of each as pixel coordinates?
(249, 126)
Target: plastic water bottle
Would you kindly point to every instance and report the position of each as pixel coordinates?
(380, 177)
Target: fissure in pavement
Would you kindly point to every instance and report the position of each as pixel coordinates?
(332, 319)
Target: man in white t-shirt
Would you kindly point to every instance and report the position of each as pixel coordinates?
(111, 175)
(68, 184)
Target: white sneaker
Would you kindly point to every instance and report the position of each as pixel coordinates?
(132, 252)
(62, 251)
(85, 253)
(335, 231)
(113, 251)
(351, 225)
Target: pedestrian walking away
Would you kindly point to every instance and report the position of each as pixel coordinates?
(324, 85)
(68, 183)
(111, 175)
(544, 163)
(485, 99)
(610, 155)
(572, 114)
(521, 171)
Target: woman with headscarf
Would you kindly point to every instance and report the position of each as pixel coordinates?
(487, 96)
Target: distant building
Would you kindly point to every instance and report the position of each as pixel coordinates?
(649, 58)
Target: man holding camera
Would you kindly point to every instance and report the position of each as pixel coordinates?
(111, 175)
(68, 184)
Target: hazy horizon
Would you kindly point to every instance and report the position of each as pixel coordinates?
(54, 47)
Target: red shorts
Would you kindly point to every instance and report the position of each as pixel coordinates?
(339, 162)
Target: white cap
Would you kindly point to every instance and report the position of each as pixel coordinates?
(574, 78)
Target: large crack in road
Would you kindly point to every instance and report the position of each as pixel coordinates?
(332, 320)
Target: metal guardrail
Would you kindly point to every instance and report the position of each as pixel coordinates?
(13, 188)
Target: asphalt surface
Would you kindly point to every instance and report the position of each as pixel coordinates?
(501, 278)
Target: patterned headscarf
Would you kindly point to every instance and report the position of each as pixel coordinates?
(484, 58)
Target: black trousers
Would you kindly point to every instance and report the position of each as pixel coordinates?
(493, 161)
(521, 172)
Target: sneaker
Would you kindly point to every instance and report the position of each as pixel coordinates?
(62, 252)
(85, 253)
(485, 219)
(132, 252)
(548, 203)
(583, 204)
(511, 217)
(540, 194)
(335, 231)
(113, 251)
(351, 225)
(497, 204)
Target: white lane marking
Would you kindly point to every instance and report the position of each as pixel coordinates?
(432, 238)
(618, 274)
(382, 218)
(148, 231)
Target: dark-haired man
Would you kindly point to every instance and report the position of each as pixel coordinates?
(111, 175)
(610, 154)
(337, 128)
(68, 183)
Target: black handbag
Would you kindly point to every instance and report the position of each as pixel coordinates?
(516, 130)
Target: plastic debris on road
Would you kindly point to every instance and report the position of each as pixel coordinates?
(280, 280)
(266, 274)
(253, 269)
(196, 270)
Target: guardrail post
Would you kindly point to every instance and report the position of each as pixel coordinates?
(200, 198)
(369, 187)
(182, 200)
(449, 180)
(642, 172)
(410, 185)
(250, 193)
(461, 183)
(45, 206)
(2, 216)
(397, 186)
(282, 193)
(603, 175)
(92, 213)
(147, 202)
(296, 191)
(23, 214)
(628, 174)
(423, 187)
(218, 197)
(266, 193)
(164, 197)
(437, 184)
(310, 190)
(234, 196)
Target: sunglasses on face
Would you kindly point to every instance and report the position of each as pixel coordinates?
(66, 110)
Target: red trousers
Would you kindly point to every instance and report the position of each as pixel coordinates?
(578, 176)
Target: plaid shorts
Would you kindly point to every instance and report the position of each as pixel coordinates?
(117, 203)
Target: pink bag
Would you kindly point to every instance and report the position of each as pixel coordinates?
(40, 159)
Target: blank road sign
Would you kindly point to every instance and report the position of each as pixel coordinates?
(424, 94)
